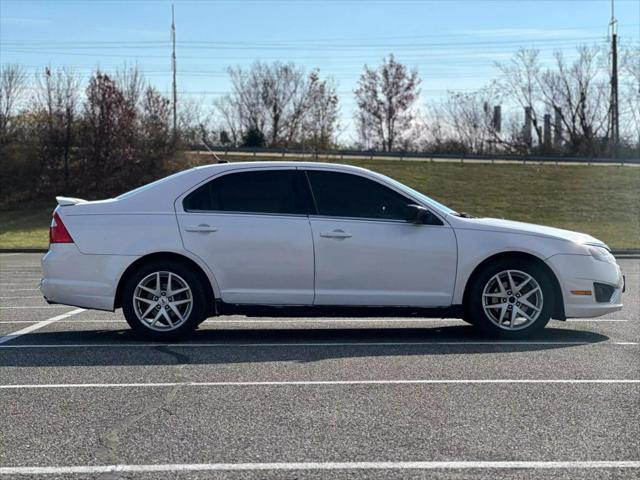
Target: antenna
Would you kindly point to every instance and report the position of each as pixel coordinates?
(173, 69)
(206, 145)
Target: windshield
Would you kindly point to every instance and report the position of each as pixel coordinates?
(422, 196)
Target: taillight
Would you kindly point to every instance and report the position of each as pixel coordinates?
(58, 233)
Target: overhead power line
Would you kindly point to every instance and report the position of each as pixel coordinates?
(284, 57)
(385, 38)
(216, 45)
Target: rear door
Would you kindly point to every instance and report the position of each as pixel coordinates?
(368, 254)
(251, 227)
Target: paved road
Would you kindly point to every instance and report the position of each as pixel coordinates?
(255, 398)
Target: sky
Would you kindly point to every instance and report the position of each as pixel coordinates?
(453, 44)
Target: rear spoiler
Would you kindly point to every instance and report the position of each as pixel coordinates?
(66, 201)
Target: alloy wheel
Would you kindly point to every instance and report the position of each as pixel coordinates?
(512, 299)
(162, 301)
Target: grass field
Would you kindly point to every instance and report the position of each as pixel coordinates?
(26, 227)
(603, 201)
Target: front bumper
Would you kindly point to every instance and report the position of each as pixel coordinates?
(579, 273)
(70, 277)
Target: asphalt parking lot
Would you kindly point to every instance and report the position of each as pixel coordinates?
(262, 398)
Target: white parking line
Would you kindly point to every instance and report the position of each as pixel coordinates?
(21, 290)
(43, 323)
(18, 298)
(378, 320)
(285, 383)
(596, 320)
(304, 344)
(61, 321)
(321, 466)
(282, 320)
(291, 321)
(39, 306)
(335, 320)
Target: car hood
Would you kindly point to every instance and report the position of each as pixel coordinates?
(509, 226)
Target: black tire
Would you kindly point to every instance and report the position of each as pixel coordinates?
(467, 318)
(196, 314)
(474, 310)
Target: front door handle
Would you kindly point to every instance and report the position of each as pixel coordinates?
(203, 227)
(336, 234)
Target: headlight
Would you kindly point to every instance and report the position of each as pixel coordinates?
(601, 253)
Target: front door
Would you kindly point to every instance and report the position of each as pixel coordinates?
(366, 252)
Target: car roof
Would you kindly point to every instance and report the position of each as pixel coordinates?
(276, 164)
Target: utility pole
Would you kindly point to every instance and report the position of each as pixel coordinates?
(173, 69)
(526, 130)
(547, 132)
(557, 127)
(497, 118)
(613, 112)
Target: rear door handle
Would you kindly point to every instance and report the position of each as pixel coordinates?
(335, 234)
(203, 227)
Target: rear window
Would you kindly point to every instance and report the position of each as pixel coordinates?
(152, 184)
(271, 191)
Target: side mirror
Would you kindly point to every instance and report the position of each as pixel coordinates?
(416, 214)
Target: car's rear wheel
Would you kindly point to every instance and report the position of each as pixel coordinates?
(511, 299)
(163, 300)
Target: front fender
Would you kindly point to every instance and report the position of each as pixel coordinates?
(476, 246)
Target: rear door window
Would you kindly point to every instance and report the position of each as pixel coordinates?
(259, 191)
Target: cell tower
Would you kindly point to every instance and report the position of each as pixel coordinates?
(614, 121)
(173, 69)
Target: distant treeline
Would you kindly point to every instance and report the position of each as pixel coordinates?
(65, 135)
(115, 136)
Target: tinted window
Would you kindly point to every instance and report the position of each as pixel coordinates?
(346, 195)
(271, 191)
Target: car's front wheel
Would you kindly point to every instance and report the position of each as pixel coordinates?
(163, 300)
(511, 299)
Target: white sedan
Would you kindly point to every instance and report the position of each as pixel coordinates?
(282, 237)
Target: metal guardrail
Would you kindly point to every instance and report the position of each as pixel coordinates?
(471, 157)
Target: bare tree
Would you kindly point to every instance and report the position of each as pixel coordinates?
(195, 122)
(385, 97)
(13, 83)
(268, 98)
(576, 93)
(470, 120)
(246, 98)
(230, 114)
(130, 81)
(284, 94)
(520, 81)
(579, 91)
(154, 119)
(57, 99)
(109, 124)
(630, 98)
(321, 113)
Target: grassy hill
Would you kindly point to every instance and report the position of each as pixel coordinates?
(603, 201)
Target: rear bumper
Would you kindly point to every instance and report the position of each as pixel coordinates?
(578, 273)
(73, 278)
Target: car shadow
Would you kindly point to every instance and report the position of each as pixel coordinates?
(237, 346)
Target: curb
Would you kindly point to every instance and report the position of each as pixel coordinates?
(23, 250)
